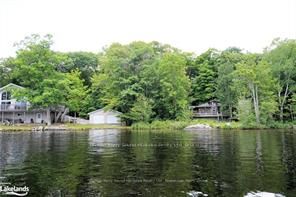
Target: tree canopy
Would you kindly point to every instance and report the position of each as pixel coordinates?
(154, 81)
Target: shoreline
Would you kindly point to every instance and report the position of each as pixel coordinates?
(213, 124)
(57, 127)
(156, 125)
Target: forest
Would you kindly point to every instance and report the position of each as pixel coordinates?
(155, 81)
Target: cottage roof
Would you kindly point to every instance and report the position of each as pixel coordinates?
(207, 104)
(106, 111)
(10, 84)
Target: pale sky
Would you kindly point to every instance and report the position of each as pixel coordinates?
(191, 25)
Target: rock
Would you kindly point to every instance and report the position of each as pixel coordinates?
(39, 128)
(196, 194)
(263, 194)
(198, 127)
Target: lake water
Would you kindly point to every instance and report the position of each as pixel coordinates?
(163, 163)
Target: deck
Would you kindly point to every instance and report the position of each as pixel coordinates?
(206, 115)
(13, 108)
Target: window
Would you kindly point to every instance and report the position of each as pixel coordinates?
(5, 105)
(38, 116)
(6, 96)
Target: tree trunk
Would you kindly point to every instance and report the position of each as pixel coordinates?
(58, 116)
(283, 101)
(254, 89)
(64, 113)
(257, 105)
(281, 113)
(48, 116)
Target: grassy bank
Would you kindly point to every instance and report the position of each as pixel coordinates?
(22, 127)
(93, 126)
(169, 124)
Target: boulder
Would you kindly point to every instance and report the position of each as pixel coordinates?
(263, 194)
(199, 127)
(196, 194)
(39, 128)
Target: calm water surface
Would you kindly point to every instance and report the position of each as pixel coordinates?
(164, 163)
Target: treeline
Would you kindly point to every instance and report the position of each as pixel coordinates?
(153, 81)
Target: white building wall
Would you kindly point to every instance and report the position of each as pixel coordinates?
(37, 117)
(102, 117)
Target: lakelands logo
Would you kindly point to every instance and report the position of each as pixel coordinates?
(8, 189)
(14, 190)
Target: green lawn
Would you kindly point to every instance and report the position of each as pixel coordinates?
(29, 127)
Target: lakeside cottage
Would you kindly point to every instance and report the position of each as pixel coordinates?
(13, 111)
(211, 109)
(101, 116)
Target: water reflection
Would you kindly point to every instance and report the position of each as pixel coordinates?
(168, 163)
(102, 140)
(13, 153)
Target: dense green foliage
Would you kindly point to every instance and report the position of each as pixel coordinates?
(253, 78)
(152, 81)
(204, 82)
(139, 74)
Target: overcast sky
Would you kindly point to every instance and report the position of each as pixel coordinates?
(191, 25)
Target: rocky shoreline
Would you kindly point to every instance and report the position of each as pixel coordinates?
(199, 127)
